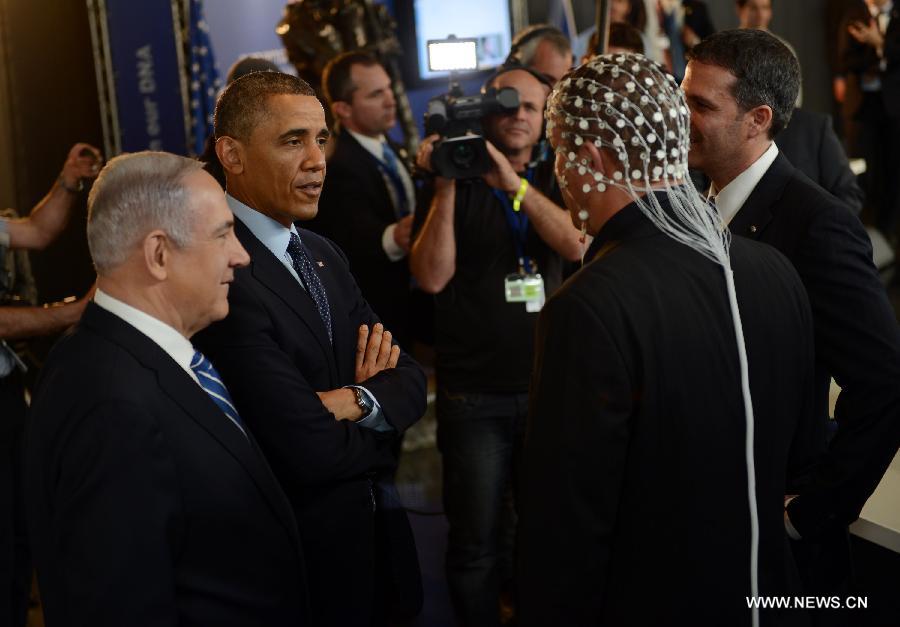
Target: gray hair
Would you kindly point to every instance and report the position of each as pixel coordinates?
(135, 194)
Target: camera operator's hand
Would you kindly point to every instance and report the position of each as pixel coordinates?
(501, 176)
(82, 162)
(423, 157)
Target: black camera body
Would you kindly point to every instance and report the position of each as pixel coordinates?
(461, 152)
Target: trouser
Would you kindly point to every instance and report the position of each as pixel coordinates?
(15, 559)
(480, 438)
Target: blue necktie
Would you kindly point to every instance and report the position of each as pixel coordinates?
(212, 384)
(311, 280)
(392, 169)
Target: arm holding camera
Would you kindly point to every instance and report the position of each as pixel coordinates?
(49, 217)
(432, 258)
(551, 222)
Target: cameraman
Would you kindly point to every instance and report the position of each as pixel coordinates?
(476, 253)
(34, 232)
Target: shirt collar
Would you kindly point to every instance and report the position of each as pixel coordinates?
(167, 338)
(732, 197)
(886, 9)
(374, 145)
(272, 234)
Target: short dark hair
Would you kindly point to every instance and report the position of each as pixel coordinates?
(526, 41)
(767, 71)
(742, 3)
(621, 35)
(243, 102)
(637, 14)
(336, 81)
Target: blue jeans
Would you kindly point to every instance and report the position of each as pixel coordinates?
(480, 438)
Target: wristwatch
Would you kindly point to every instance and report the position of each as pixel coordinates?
(363, 401)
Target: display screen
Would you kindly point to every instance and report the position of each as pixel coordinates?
(484, 21)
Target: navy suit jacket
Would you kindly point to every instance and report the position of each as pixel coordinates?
(857, 340)
(274, 354)
(146, 504)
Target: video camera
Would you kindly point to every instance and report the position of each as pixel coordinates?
(461, 152)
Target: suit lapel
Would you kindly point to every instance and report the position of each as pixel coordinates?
(271, 273)
(756, 213)
(182, 390)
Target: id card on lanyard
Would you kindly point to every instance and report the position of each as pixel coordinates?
(526, 285)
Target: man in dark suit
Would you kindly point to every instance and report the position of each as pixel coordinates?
(811, 145)
(635, 493)
(741, 87)
(310, 366)
(872, 54)
(149, 502)
(367, 206)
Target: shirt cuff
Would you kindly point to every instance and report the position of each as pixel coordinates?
(375, 420)
(393, 252)
(793, 534)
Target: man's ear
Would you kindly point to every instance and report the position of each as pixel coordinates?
(760, 120)
(231, 154)
(341, 110)
(595, 156)
(157, 254)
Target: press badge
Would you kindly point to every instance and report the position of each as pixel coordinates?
(525, 288)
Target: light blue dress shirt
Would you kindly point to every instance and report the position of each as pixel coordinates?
(276, 237)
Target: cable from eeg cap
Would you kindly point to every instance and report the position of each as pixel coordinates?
(628, 105)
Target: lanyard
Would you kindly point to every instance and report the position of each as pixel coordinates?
(518, 227)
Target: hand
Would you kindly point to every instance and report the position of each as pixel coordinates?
(375, 353)
(501, 176)
(341, 403)
(423, 157)
(403, 232)
(866, 34)
(81, 166)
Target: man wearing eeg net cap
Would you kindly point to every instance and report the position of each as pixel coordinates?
(635, 504)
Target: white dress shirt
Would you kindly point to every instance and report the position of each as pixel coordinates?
(375, 146)
(173, 343)
(732, 197)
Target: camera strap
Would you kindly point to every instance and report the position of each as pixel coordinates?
(518, 227)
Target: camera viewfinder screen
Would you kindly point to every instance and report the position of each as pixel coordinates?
(485, 21)
(452, 55)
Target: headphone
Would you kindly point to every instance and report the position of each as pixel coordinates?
(524, 37)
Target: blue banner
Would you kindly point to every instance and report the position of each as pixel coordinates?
(145, 61)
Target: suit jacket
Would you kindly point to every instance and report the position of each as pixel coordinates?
(811, 145)
(274, 354)
(635, 511)
(857, 340)
(146, 505)
(354, 211)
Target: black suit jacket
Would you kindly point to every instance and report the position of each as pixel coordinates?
(354, 211)
(856, 335)
(811, 145)
(146, 504)
(274, 354)
(634, 510)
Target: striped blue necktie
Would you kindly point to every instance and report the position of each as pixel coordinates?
(212, 384)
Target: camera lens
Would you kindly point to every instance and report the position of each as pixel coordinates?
(463, 155)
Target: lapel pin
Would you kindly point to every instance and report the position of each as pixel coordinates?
(321, 264)
(753, 228)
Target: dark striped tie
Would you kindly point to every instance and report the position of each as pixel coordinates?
(212, 384)
(311, 280)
